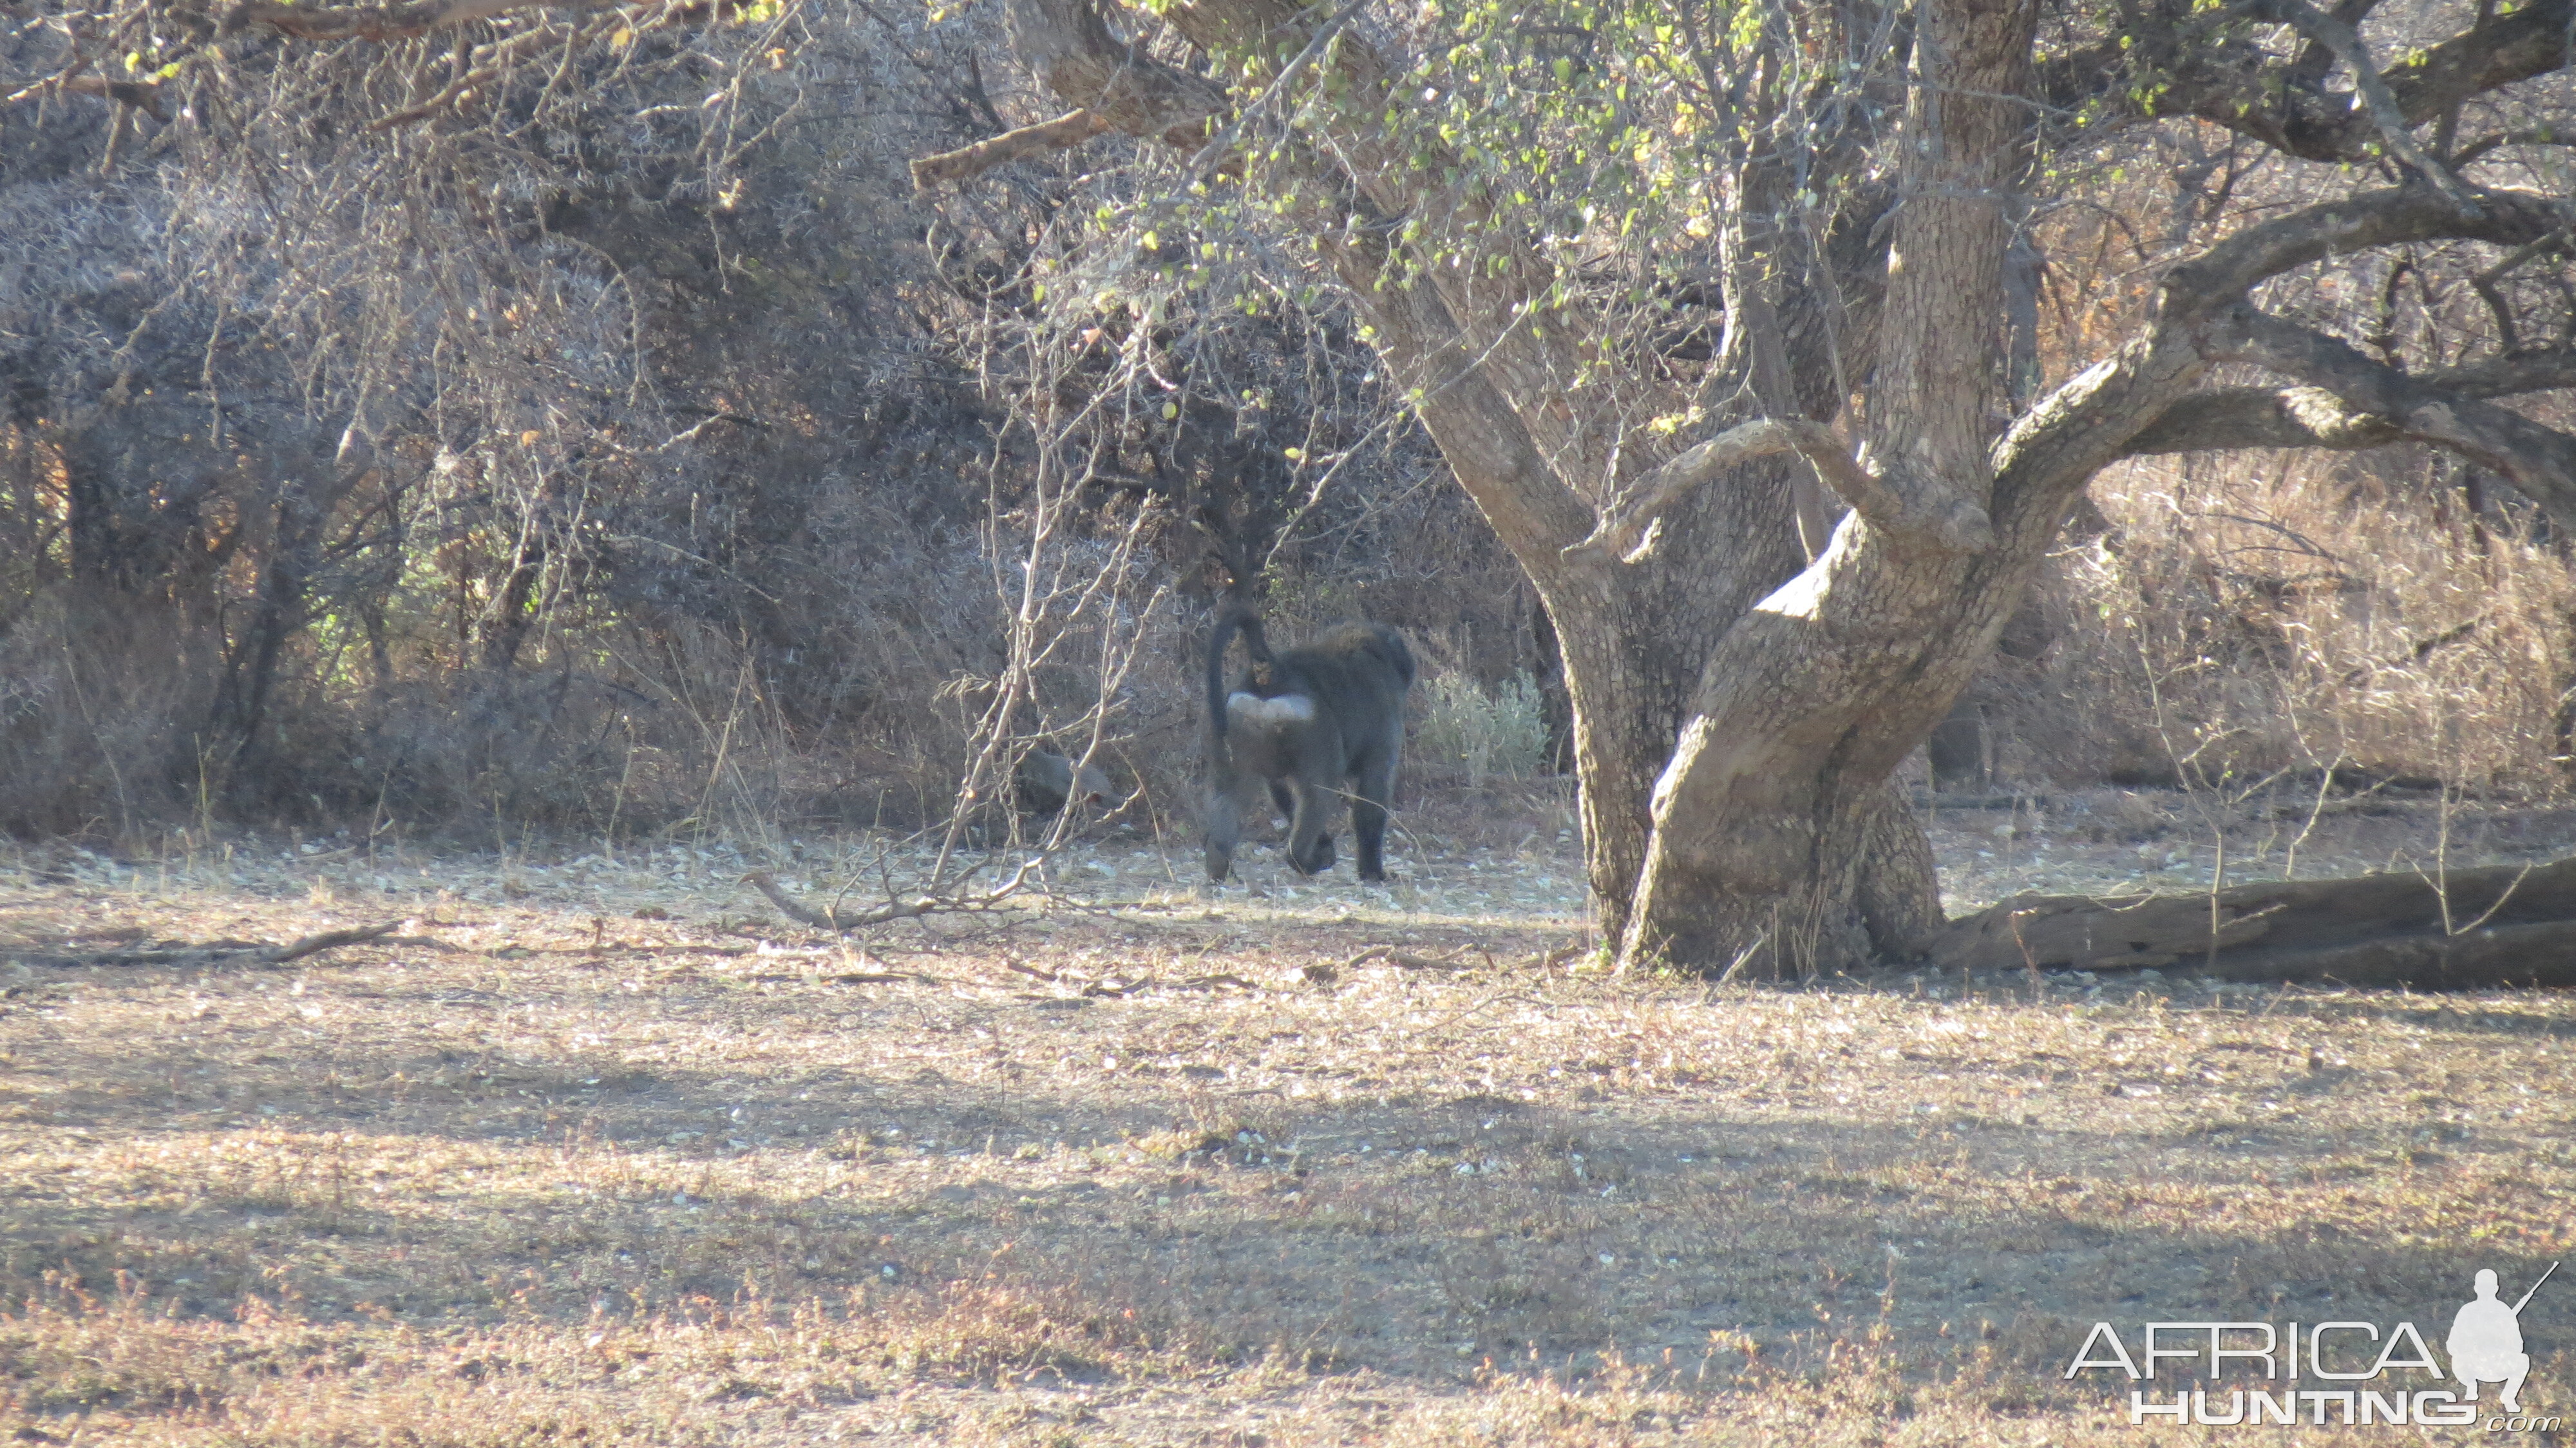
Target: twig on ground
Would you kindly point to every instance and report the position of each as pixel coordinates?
(1405, 961)
(330, 940)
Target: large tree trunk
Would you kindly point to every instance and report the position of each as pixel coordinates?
(1778, 843)
(1633, 642)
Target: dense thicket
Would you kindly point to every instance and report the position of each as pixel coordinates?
(612, 436)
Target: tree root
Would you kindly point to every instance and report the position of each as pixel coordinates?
(2499, 926)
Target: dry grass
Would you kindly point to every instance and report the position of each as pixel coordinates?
(603, 1153)
(2250, 614)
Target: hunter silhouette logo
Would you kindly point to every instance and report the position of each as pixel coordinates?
(2486, 1341)
(2360, 1375)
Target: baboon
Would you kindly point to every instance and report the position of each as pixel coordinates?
(1044, 783)
(1301, 723)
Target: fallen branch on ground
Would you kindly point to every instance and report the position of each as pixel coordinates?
(830, 918)
(2500, 926)
(1550, 960)
(220, 952)
(1404, 961)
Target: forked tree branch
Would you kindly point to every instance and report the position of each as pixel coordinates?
(2539, 460)
(491, 63)
(1620, 535)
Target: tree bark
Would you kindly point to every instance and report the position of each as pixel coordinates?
(1777, 840)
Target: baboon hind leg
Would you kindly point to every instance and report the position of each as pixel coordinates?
(1226, 802)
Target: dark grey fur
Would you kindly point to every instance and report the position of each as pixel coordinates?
(1303, 723)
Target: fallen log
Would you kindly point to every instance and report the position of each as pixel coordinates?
(2498, 926)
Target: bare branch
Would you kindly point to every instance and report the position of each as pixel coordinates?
(380, 22)
(2397, 929)
(2477, 149)
(2484, 283)
(223, 952)
(1623, 528)
(2394, 125)
(2280, 105)
(2391, 217)
(1208, 155)
(492, 62)
(2227, 418)
(1065, 131)
(143, 96)
(328, 940)
(2507, 376)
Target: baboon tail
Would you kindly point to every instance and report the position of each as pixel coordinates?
(1235, 619)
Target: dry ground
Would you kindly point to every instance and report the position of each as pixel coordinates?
(601, 1151)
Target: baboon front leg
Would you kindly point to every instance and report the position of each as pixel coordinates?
(1226, 802)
